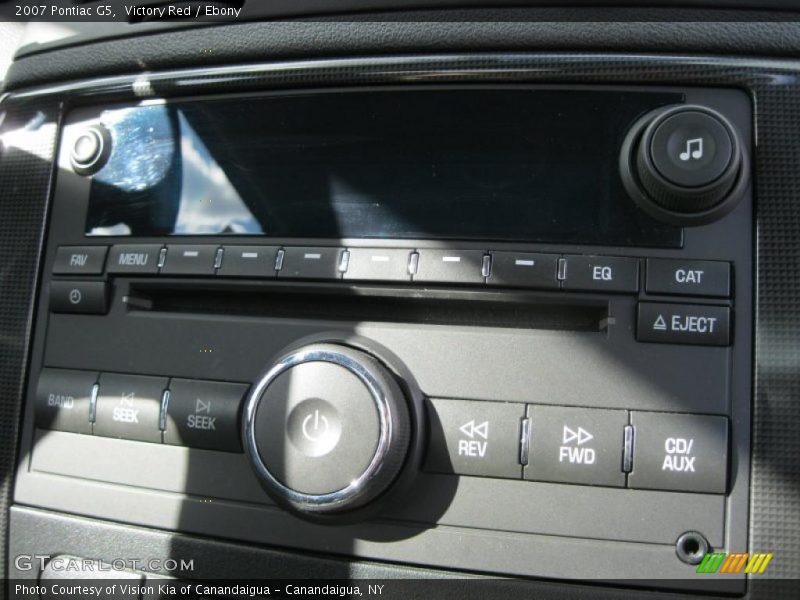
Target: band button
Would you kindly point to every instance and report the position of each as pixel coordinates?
(63, 400)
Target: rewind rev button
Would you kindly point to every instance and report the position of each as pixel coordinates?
(470, 437)
(698, 324)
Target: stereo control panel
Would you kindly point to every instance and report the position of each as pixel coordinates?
(534, 405)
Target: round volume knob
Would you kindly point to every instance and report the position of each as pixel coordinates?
(90, 150)
(684, 165)
(327, 430)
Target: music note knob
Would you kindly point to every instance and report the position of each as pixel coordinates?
(684, 165)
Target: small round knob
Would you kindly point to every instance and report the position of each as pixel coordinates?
(684, 165)
(90, 150)
(326, 429)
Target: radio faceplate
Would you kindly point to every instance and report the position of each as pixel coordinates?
(596, 351)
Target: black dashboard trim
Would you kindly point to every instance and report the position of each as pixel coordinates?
(775, 87)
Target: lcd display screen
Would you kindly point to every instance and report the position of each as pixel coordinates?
(503, 164)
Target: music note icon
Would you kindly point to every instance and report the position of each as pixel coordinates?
(689, 152)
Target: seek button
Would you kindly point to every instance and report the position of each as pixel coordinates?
(204, 414)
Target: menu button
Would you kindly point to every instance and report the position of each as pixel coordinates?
(134, 258)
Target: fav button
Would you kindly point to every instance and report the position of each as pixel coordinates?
(470, 437)
(129, 407)
(698, 324)
(686, 453)
(601, 273)
(204, 414)
(576, 445)
(688, 277)
(80, 260)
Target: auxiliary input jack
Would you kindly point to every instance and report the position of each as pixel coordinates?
(691, 547)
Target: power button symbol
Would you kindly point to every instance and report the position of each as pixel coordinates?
(314, 427)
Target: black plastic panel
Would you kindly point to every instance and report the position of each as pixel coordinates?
(455, 163)
(26, 165)
(774, 493)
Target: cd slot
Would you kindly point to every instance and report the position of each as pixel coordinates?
(516, 310)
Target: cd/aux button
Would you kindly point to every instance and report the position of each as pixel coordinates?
(680, 452)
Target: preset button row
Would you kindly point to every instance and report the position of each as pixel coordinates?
(181, 412)
(588, 446)
(495, 268)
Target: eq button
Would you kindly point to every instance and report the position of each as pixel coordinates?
(601, 273)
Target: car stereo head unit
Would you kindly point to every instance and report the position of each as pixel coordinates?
(508, 325)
